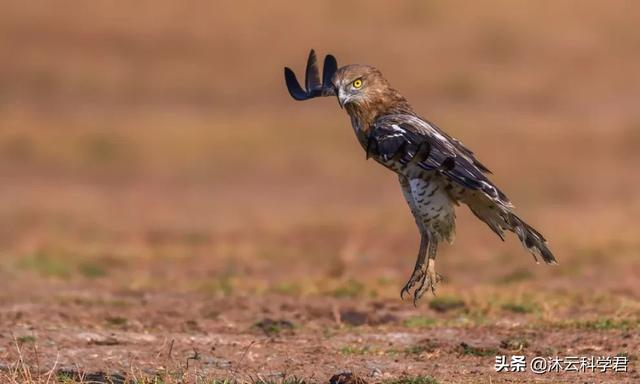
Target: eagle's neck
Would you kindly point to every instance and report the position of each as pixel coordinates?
(364, 114)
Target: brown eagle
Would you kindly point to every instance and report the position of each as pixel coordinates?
(436, 171)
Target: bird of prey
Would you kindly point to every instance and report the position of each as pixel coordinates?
(436, 171)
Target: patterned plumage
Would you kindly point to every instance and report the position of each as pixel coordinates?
(436, 171)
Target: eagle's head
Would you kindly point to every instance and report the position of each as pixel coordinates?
(361, 89)
(366, 94)
(359, 85)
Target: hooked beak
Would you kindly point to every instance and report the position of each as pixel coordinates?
(343, 98)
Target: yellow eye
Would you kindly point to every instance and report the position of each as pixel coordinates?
(357, 83)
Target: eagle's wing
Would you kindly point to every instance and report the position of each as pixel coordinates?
(410, 139)
(461, 147)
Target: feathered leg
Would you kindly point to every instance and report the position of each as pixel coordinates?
(431, 277)
(424, 272)
(419, 271)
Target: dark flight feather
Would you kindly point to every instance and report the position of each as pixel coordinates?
(314, 88)
(312, 74)
(328, 70)
(295, 90)
(424, 144)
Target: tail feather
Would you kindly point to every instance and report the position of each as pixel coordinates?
(496, 225)
(531, 239)
(500, 218)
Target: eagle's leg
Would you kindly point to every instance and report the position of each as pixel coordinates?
(419, 271)
(431, 278)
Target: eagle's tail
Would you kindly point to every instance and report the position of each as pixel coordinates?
(499, 217)
(531, 239)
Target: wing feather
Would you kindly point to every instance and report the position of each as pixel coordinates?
(410, 139)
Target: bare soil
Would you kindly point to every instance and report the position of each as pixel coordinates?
(167, 211)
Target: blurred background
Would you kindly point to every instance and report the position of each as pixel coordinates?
(153, 145)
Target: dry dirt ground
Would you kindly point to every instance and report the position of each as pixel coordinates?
(168, 214)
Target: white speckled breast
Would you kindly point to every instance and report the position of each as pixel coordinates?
(433, 207)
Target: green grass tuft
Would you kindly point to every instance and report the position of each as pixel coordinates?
(412, 380)
(354, 350)
(446, 303)
(467, 349)
(520, 307)
(274, 327)
(516, 276)
(350, 289)
(420, 322)
(116, 321)
(287, 288)
(222, 286)
(607, 324)
(65, 378)
(426, 345)
(26, 339)
(284, 380)
(516, 343)
(46, 265)
(92, 270)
